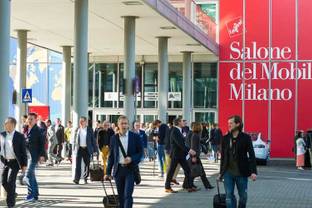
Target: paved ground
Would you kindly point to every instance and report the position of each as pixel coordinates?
(276, 187)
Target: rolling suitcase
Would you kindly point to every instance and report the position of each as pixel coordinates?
(110, 201)
(219, 199)
(96, 171)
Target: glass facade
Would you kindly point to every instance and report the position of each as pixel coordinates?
(205, 85)
(109, 89)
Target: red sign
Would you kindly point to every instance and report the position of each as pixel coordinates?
(43, 111)
(260, 66)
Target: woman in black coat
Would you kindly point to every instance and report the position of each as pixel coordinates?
(194, 144)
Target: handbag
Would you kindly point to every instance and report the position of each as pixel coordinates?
(196, 168)
(136, 169)
(96, 171)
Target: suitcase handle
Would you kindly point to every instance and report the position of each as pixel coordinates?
(218, 187)
(112, 186)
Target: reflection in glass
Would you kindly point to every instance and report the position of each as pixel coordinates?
(175, 83)
(150, 85)
(205, 85)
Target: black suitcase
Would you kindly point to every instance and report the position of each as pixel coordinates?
(96, 171)
(110, 201)
(219, 199)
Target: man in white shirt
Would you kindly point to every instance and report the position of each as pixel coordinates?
(84, 146)
(13, 156)
(124, 166)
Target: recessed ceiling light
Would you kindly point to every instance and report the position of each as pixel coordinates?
(192, 44)
(132, 3)
(168, 28)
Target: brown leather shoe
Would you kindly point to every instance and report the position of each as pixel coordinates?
(192, 190)
(170, 191)
(174, 181)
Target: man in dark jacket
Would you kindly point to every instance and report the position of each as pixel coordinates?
(13, 156)
(160, 135)
(122, 163)
(84, 147)
(103, 138)
(178, 156)
(237, 162)
(215, 140)
(35, 145)
(60, 137)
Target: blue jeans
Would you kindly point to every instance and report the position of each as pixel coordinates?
(161, 157)
(32, 184)
(229, 185)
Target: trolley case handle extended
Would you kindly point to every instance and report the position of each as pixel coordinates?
(218, 186)
(111, 201)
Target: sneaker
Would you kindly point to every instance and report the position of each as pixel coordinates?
(30, 198)
(300, 168)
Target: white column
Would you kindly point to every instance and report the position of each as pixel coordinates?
(5, 95)
(66, 81)
(21, 69)
(163, 78)
(187, 86)
(129, 67)
(80, 97)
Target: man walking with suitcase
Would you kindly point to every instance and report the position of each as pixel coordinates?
(125, 153)
(237, 162)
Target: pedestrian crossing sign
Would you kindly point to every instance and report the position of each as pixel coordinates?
(26, 95)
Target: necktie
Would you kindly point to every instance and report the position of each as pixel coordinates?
(4, 146)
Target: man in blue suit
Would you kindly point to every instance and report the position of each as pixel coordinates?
(143, 136)
(124, 166)
(13, 156)
(84, 147)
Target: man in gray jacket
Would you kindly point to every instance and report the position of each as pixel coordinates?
(52, 143)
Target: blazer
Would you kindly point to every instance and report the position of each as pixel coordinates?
(143, 138)
(177, 143)
(35, 143)
(60, 134)
(19, 148)
(246, 155)
(162, 133)
(135, 151)
(91, 141)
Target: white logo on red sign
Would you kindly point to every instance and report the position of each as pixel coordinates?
(235, 27)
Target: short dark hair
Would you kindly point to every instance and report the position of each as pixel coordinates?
(176, 121)
(12, 121)
(156, 122)
(238, 120)
(33, 114)
(25, 116)
(49, 121)
(98, 121)
(70, 122)
(83, 117)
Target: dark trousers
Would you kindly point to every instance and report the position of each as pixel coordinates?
(82, 154)
(9, 175)
(59, 150)
(125, 186)
(203, 177)
(186, 169)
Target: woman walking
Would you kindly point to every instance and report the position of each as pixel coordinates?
(195, 146)
(300, 147)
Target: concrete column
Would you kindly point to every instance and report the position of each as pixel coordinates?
(5, 95)
(81, 89)
(66, 80)
(129, 67)
(163, 78)
(20, 80)
(187, 86)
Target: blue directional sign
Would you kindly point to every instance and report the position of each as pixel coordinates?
(26, 95)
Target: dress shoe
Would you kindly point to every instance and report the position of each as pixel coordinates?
(174, 181)
(85, 181)
(170, 191)
(192, 190)
(76, 182)
(210, 187)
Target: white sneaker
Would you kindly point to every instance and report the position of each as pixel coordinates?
(300, 168)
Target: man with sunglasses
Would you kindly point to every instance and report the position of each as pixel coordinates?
(237, 162)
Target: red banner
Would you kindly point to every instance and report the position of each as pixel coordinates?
(249, 81)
